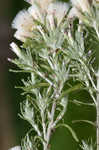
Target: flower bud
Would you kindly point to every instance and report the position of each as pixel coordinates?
(15, 148)
(16, 49)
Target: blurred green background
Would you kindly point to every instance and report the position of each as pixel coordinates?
(12, 128)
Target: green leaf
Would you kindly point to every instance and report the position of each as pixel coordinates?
(38, 85)
(40, 138)
(72, 89)
(20, 71)
(70, 129)
(76, 102)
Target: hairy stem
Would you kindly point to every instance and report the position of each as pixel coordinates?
(60, 116)
(44, 128)
(49, 129)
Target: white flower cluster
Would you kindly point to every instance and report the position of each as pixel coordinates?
(24, 21)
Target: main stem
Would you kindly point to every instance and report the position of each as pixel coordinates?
(98, 111)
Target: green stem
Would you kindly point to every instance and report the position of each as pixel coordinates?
(97, 108)
(98, 111)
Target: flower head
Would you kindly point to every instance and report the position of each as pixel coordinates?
(56, 10)
(36, 13)
(16, 50)
(43, 4)
(83, 5)
(74, 12)
(79, 8)
(23, 22)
